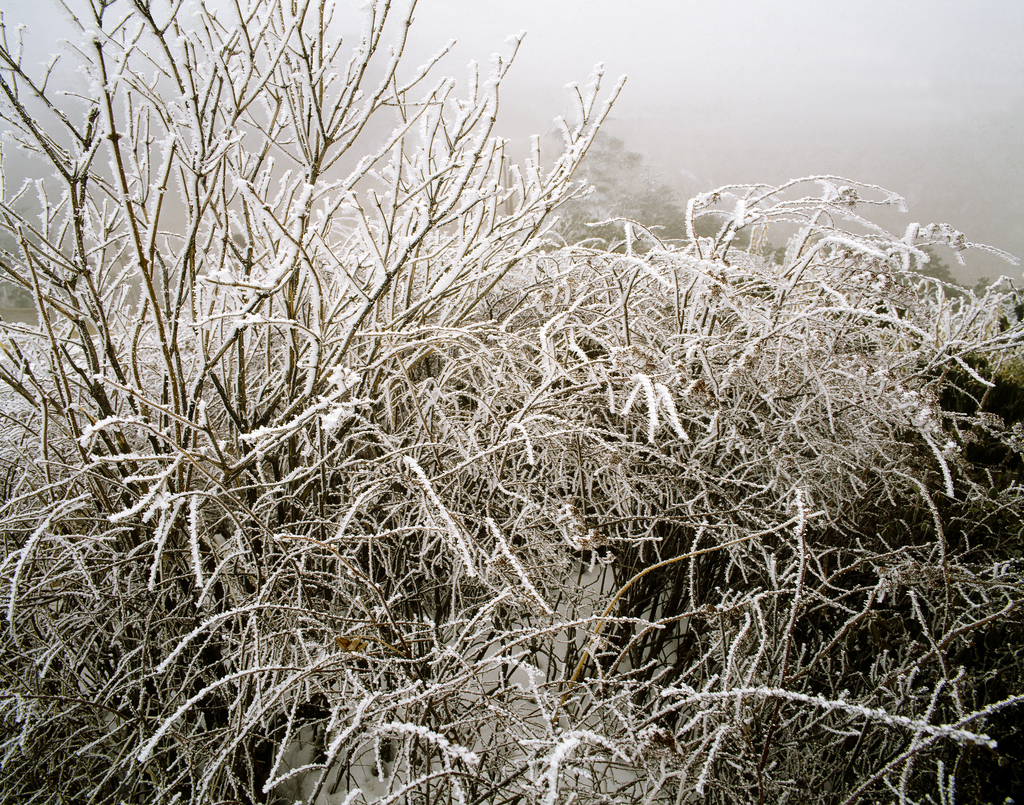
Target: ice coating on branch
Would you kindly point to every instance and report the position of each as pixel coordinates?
(568, 742)
(739, 215)
(454, 530)
(447, 747)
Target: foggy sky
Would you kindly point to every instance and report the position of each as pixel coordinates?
(924, 97)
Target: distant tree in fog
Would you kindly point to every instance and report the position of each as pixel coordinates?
(624, 186)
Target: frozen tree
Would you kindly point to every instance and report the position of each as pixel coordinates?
(326, 479)
(622, 186)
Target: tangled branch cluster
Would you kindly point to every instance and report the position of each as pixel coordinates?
(326, 481)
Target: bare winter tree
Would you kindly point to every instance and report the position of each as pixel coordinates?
(326, 479)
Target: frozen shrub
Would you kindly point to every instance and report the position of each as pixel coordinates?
(329, 483)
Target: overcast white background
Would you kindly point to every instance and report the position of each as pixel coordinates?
(925, 97)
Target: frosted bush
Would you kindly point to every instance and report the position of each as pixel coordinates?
(329, 480)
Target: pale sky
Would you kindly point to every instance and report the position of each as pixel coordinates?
(924, 97)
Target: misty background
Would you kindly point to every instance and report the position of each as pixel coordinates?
(925, 97)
